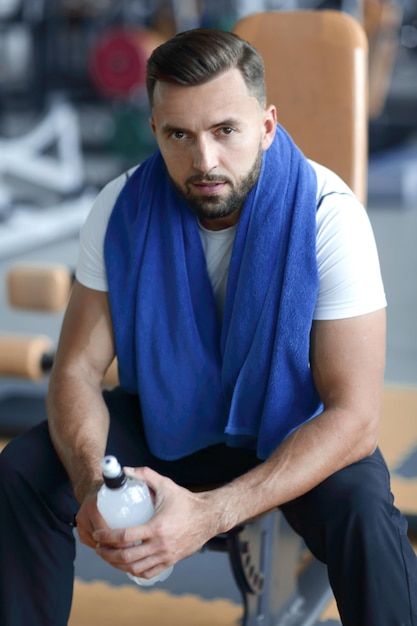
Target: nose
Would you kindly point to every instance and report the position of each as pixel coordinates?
(205, 154)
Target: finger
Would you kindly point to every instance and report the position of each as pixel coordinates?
(124, 537)
(125, 558)
(144, 571)
(87, 539)
(143, 568)
(154, 480)
(85, 533)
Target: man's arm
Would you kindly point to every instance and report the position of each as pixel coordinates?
(347, 361)
(77, 415)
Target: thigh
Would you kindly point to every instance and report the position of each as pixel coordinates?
(361, 490)
(30, 459)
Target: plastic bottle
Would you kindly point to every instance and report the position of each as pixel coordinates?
(124, 501)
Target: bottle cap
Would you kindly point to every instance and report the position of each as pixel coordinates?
(113, 474)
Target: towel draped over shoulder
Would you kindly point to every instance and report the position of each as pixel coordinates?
(201, 380)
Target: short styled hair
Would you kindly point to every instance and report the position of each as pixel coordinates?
(196, 56)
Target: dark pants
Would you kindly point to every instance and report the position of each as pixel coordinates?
(348, 521)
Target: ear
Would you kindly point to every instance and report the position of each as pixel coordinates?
(269, 126)
(152, 123)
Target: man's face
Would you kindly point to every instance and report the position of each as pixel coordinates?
(211, 138)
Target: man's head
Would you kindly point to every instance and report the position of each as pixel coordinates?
(207, 94)
(197, 56)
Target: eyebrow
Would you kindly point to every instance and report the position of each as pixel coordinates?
(168, 128)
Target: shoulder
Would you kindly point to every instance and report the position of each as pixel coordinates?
(90, 266)
(338, 209)
(329, 183)
(106, 199)
(350, 282)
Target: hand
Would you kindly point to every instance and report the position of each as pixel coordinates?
(183, 522)
(88, 518)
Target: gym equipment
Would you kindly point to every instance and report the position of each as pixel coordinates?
(8, 8)
(44, 288)
(398, 443)
(39, 287)
(316, 74)
(24, 228)
(26, 159)
(280, 582)
(25, 357)
(118, 61)
(31, 358)
(382, 23)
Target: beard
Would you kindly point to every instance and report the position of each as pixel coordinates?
(215, 206)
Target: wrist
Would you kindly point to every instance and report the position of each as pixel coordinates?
(224, 515)
(84, 489)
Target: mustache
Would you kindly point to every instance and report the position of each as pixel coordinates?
(207, 178)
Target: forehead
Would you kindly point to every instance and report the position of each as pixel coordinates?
(225, 96)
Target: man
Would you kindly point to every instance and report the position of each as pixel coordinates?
(239, 286)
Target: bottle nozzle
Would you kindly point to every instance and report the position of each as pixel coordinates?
(110, 467)
(113, 474)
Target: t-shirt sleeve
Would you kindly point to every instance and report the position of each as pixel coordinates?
(90, 270)
(350, 282)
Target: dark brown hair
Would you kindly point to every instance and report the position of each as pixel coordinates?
(197, 56)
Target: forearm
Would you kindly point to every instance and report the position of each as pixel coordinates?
(315, 451)
(184, 521)
(347, 358)
(78, 423)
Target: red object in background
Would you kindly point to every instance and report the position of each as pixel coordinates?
(118, 60)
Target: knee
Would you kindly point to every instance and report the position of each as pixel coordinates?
(367, 504)
(11, 484)
(31, 458)
(363, 508)
(31, 472)
(19, 468)
(9, 462)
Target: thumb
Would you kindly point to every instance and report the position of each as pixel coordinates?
(154, 480)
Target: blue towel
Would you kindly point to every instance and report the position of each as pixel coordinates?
(244, 380)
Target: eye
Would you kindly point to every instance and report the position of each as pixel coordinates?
(179, 135)
(226, 131)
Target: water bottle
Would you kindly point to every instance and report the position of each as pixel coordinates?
(124, 501)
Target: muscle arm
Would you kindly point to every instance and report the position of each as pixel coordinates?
(347, 361)
(77, 415)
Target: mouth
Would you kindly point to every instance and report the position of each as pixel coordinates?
(209, 187)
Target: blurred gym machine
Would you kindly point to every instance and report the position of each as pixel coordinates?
(73, 109)
(46, 160)
(56, 56)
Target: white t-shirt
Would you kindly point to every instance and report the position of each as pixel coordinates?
(350, 282)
